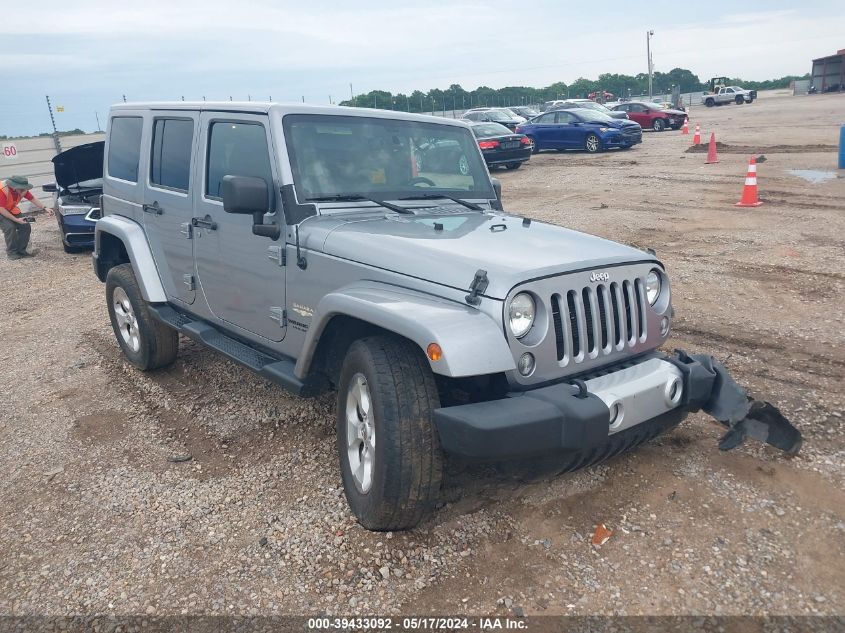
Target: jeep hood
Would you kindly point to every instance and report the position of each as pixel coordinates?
(449, 249)
(79, 164)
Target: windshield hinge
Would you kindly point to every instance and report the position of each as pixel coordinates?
(478, 286)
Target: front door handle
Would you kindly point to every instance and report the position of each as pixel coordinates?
(152, 208)
(205, 223)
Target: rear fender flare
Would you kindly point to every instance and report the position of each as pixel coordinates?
(134, 240)
(473, 343)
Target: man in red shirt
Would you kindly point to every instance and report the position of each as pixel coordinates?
(15, 229)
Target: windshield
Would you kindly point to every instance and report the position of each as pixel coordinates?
(382, 158)
(501, 115)
(486, 130)
(592, 105)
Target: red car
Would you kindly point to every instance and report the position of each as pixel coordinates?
(652, 115)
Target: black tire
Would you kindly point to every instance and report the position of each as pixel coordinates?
(739, 100)
(513, 165)
(658, 125)
(407, 466)
(158, 344)
(534, 148)
(592, 143)
(70, 249)
(709, 103)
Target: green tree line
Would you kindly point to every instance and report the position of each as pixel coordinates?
(455, 97)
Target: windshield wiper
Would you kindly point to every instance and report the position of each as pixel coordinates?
(440, 196)
(354, 197)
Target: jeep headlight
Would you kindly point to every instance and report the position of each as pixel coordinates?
(652, 286)
(521, 313)
(73, 210)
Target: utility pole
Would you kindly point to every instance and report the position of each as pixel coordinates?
(55, 131)
(97, 114)
(351, 94)
(648, 36)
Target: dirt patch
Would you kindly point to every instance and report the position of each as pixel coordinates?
(727, 148)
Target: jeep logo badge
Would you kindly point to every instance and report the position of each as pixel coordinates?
(599, 277)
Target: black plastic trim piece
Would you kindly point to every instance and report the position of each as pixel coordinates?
(295, 212)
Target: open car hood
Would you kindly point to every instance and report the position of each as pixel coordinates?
(79, 164)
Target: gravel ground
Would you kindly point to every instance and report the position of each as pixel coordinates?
(98, 514)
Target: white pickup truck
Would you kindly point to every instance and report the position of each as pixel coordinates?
(729, 94)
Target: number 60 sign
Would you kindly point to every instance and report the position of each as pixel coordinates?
(9, 151)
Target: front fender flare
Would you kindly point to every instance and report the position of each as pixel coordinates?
(472, 342)
(138, 249)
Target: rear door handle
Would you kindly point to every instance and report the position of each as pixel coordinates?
(152, 208)
(205, 223)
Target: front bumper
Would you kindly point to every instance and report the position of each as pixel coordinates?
(621, 139)
(574, 417)
(77, 230)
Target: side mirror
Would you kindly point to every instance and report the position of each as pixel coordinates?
(249, 196)
(50, 187)
(497, 187)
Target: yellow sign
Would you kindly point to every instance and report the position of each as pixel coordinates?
(60, 108)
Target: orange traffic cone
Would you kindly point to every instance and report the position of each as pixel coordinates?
(749, 192)
(685, 129)
(696, 139)
(711, 150)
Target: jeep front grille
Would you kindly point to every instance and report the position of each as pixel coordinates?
(598, 320)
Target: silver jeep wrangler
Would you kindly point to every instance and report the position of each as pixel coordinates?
(367, 251)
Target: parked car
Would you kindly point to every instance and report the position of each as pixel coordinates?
(301, 243)
(729, 94)
(442, 156)
(652, 115)
(591, 105)
(552, 105)
(604, 96)
(500, 146)
(502, 116)
(525, 112)
(580, 129)
(77, 191)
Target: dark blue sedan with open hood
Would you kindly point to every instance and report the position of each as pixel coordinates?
(78, 187)
(582, 129)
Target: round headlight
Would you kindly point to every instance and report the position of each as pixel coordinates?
(652, 286)
(521, 314)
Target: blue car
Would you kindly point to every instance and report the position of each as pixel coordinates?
(582, 129)
(77, 191)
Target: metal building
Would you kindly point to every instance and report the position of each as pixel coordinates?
(829, 73)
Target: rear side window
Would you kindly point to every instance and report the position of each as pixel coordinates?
(236, 149)
(170, 165)
(125, 147)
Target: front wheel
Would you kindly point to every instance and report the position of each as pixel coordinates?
(146, 342)
(390, 457)
(739, 100)
(659, 125)
(592, 143)
(513, 165)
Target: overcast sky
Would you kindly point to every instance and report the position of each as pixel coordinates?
(86, 54)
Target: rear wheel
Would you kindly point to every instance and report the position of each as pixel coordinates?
(463, 165)
(739, 100)
(390, 457)
(709, 103)
(658, 125)
(592, 143)
(146, 342)
(513, 165)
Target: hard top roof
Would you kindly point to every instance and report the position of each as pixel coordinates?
(267, 107)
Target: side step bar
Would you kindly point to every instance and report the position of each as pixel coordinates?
(274, 369)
